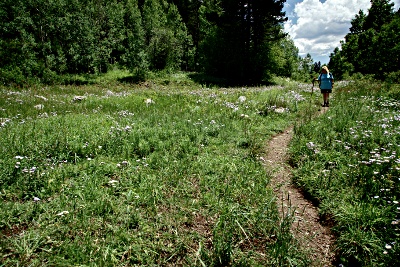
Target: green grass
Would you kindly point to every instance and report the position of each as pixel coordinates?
(348, 161)
(166, 173)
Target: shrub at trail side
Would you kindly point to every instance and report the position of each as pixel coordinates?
(348, 161)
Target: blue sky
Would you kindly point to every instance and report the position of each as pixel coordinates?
(318, 26)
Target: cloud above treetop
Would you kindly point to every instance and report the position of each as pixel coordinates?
(317, 27)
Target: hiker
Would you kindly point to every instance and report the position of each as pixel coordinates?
(325, 81)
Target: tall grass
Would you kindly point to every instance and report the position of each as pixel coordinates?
(348, 161)
(163, 173)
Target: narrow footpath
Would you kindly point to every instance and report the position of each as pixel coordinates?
(306, 227)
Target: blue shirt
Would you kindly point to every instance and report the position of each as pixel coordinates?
(325, 81)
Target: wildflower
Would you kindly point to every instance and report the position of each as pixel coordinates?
(36, 199)
(40, 106)
(242, 99)
(65, 212)
(113, 183)
(41, 97)
(232, 106)
(31, 170)
(43, 115)
(78, 98)
(280, 110)
(387, 246)
(149, 101)
(296, 96)
(311, 145)
(125, 113)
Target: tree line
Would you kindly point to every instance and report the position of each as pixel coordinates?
(234, 39)
(372, 45)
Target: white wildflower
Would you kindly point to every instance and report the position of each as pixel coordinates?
(41, 97)
(149, 101)
(280, 110)
(242, 99)
(78, 98)
(311, 145)
(113, 183)
(65, 212)
(40, 106)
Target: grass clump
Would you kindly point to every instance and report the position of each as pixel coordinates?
(348, 162)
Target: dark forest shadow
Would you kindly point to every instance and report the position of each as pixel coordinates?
(209, 81)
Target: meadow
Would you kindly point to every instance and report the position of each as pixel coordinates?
(169, 172)
(348, 162)
(161, 173)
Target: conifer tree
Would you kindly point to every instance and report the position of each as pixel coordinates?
(240, 37)
(371, 46)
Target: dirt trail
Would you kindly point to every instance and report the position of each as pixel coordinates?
(306, 227)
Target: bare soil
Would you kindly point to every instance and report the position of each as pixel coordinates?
(306, 228)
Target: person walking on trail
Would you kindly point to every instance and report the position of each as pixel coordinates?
(325, 81)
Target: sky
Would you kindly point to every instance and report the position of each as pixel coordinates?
(318, 26)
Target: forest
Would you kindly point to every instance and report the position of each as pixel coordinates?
(241, 41)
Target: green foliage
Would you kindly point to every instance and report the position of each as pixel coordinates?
(284, 59)
(348, 162)
(371, 47)
(134, 56)
(238, 36)
(41, 40)
(241, 42)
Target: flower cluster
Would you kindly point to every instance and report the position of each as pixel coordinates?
(296, 96)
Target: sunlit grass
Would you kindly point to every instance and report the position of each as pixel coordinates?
(166, 172)
(348, 161)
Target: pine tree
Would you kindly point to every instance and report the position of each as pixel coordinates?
(240, 37)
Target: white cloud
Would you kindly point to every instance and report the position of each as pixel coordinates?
(317, 28)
